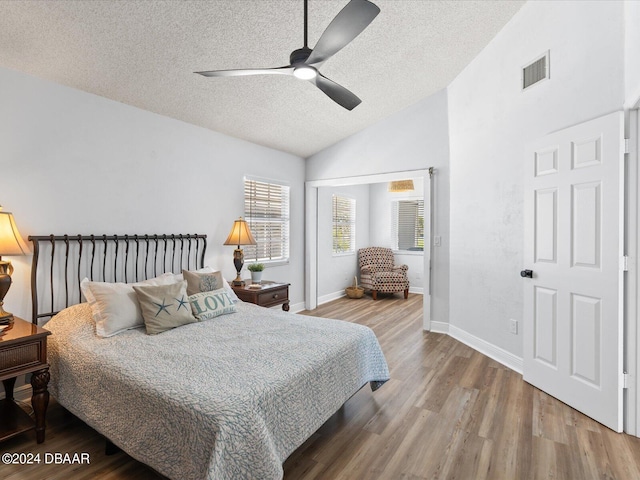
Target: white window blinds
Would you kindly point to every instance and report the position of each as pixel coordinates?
(344, 224)
(407, 225)
(266, 210)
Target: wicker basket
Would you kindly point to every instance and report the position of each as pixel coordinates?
(354, 291)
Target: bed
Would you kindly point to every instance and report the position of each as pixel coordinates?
(224, 398)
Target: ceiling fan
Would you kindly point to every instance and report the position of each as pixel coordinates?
(305, 62)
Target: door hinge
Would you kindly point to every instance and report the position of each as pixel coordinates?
(625, 145)
(625, 380)
(624, 263)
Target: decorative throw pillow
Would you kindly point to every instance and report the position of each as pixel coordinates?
(179, 277)
(114, 306)
(202, 282)
(164, 306)
(206, 305)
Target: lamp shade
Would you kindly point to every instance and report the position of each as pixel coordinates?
(401, 186)
(240, 234)
(11, 243)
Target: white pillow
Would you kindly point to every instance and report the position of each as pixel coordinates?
(206, 305)
(114, 306)
(179, 277)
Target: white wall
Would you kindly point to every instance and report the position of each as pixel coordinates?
(632, 52)
(335, 273)
(380, 226)
(490, 122)
(413, 139)
(73, 162)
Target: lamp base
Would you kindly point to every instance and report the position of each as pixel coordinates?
(238, 262)
(5, 283)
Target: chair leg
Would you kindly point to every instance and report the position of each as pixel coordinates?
(406, 293)
(374, 294)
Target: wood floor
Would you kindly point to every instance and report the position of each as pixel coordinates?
(448, 412)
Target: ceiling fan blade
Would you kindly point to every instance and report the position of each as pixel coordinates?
(337, 93)
(288, 70)
(347, 25)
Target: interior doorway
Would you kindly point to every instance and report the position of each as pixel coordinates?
(312, 228)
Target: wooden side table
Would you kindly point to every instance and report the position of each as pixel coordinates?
(270, 294)
(23, 349)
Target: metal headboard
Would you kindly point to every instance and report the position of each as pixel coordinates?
(64, 260)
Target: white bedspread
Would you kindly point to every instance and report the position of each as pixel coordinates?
(228, 398)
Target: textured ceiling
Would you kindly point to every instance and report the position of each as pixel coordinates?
(144, 53)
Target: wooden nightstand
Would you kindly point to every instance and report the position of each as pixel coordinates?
(271, 293)
(23, 349)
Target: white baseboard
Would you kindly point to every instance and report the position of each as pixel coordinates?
(336, 295)
(498, 354)
(439, 327)
(296, 307)
(331, 296)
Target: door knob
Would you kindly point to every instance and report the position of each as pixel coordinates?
(526, 273)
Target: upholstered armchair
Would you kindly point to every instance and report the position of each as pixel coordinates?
(379, 273)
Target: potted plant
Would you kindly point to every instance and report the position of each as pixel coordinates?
(256, 272)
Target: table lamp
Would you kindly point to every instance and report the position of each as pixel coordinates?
(11, 243)
(240, 235)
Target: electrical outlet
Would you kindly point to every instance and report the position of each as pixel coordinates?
(513, 326)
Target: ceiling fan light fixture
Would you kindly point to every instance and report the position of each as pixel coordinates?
(305, 72)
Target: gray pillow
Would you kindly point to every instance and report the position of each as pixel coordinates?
(202, 282)
(164, 306)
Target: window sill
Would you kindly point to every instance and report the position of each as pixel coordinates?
(343, 254)
(413, 253)
(269, 264)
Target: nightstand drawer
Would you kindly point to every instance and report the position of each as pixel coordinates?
(22, 356)
(273, 297)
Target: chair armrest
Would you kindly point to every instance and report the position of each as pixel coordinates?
(400, 268)
(368, 269)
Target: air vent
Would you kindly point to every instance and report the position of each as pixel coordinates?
(536, 71)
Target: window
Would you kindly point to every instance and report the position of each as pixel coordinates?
(407, 225)
(266, 210)
(344, 225)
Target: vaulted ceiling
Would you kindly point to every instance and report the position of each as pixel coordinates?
(144, 53)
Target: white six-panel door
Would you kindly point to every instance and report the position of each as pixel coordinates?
(572, 321)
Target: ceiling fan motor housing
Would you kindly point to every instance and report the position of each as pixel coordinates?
(300, 55)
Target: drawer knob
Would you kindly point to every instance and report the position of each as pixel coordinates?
(275, 295)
